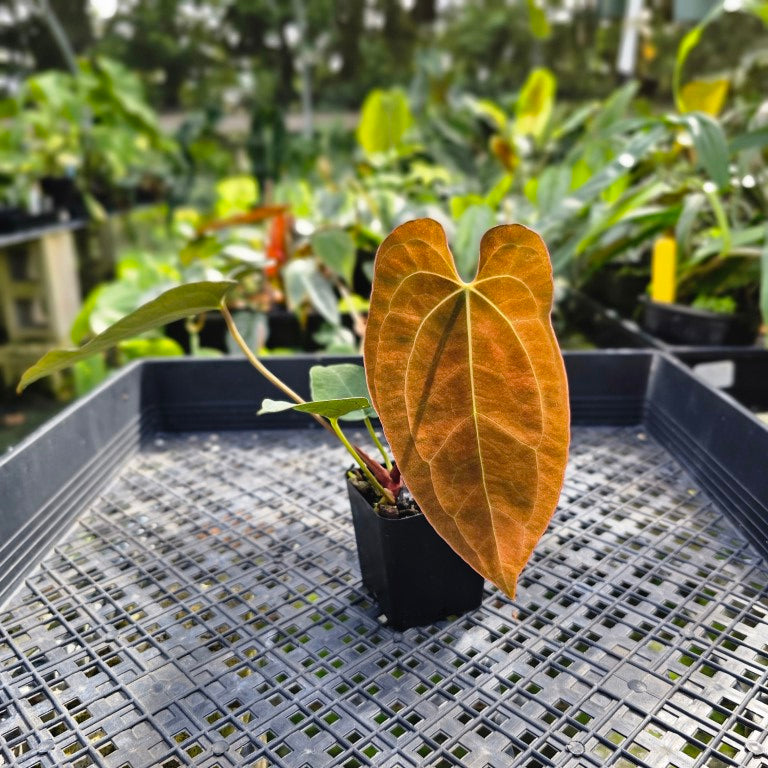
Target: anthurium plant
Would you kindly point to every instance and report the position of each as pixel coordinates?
(466, 378)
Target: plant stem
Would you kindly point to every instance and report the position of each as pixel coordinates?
(375, 484)
(263, 370)
(374, 437)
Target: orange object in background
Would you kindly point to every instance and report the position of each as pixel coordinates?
(277, 247)
(664, 270)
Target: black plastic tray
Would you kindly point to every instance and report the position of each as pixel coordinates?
(740, 373)
(197, 599)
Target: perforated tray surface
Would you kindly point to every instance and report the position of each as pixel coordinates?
(207, 610)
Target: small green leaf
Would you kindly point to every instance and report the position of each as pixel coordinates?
(330, 409)
(344, 380)
(336, 249)
(384, 120)
(175, 304)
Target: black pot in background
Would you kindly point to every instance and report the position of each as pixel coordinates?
(617, 286)
(414, 575)
(680, 324)
(64, 195)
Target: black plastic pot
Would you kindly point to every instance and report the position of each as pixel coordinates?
(679, 324)
(64, 195)
(14, 219)
(414, 575)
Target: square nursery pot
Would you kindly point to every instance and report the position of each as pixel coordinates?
(662, 326)
(179, 585)
(683, 325)
(414, 575)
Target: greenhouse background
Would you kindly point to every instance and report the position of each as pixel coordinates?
(506, 264)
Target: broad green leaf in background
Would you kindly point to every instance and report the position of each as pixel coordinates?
(710, 144)
(384, 121)
(553, 185)
(175, 304)
(470, 229)
(330, 409)
(535, 103)
(336, 249)
(620, 212)
(637, 147)
(303, 282)
(470, 387)
(614, 108)
(707, 96)
(537, 18)
(344, 380)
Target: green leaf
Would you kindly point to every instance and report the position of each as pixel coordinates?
(630, 154)
(499, 191)
(553, 185)
(753, 140)
(538, 20)
(344, 380)
(384, 120)
(535, 103)
(711, 145)
(336, 249)
(330, 409)
(303, 282)
(175, 304)
(614, 108)
(470, 229)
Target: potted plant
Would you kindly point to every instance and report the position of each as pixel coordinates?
(469, 384)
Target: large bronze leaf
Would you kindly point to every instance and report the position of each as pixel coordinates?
(470, 387)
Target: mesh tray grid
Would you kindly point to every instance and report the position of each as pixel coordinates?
(207, 610)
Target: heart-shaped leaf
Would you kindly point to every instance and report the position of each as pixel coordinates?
(470, 387)
(174, 304)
